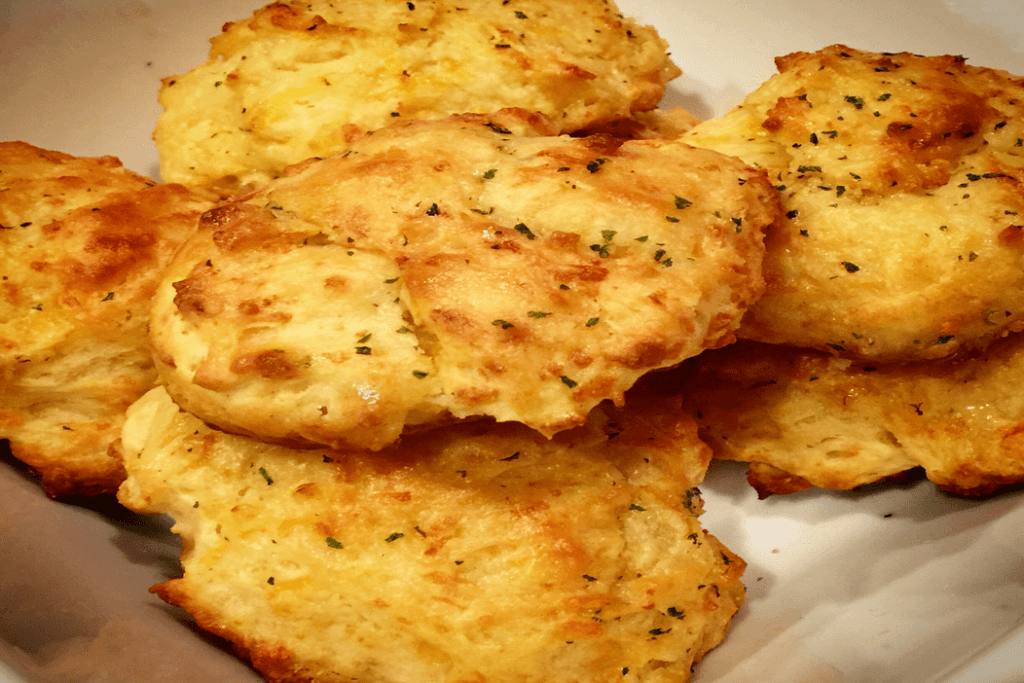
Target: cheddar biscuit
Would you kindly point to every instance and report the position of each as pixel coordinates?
(805, 418)
(82, 244)
(304, 79)
(901, 177)
(480, 552)
(457, 269)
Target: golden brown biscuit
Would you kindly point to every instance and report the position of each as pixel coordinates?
(82, 242)
(453, 268)
(304, 79)
(480, 552)
(902, 180)
(805, 418)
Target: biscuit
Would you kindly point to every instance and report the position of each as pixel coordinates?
(304, 79)
(901, 177)
(479, 552)
(82, 242)
(806, 418)
(455, 269)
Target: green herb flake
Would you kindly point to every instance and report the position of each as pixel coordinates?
(490, 173)
(688, 498)
(433, 210)
(394, 537)
(593, 321)
(658, 631)
(568, 382)
(682, 202)
(884, 96)
(419, 374)
(944, 339)
(263, 473)
(108, 297)
(840, 190)
(539, 314)
(364, 338)
(737, 221)
(638, 508)
(601, 249)
(520, 15)
(641, 238)
(364, 350)
(493, 126)
(521, 228)
(403, 330)
(857, 102)
(658, 254)
(837, 347)
(607, 235)
(595, 165)
(850, 267)
(503, 324)
(671, 219)
(668, 262)
(332, 543)
(809, 169)
(676, 613)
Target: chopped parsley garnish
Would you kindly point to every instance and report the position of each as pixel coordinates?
(594, 321)
(263, 473)
(503, 324)
(394, 537)
(682, 202)
(568, 382)
(521, 228)
(332, 543)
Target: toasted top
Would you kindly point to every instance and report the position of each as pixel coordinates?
(902, 180)
(480, 552)
(82, 243)
(454, 268)
(303, 79)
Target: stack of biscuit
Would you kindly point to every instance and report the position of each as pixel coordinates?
(430, 335)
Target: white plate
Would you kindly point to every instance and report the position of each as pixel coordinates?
(888, 584)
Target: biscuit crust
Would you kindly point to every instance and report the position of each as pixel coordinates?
(480, 552)
(456, 269)
(82, 243)
(901, 177)
(805, 418)
(304, 79)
